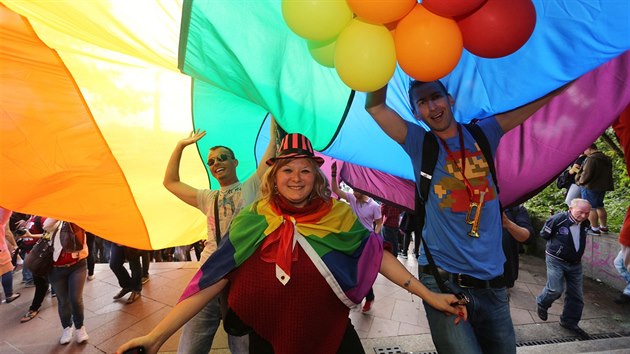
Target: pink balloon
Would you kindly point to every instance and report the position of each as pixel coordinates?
(452, 8)
(498, 28)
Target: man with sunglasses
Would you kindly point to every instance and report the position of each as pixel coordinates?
(198, 333)
(463, 229)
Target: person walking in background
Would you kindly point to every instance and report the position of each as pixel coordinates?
(128, 283)
(369, 213)
(574, 190)
(565, 233)
(219, 206)
(42, 284)
(6, 266)
(391, 230)
(517, 230)
(68, 277)
(595, 178)
(304, 259)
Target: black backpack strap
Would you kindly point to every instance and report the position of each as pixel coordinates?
(484, 145)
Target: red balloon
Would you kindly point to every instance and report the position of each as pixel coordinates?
(498, 28)
(452, 8)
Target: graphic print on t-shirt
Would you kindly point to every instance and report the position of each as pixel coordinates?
(450, 188)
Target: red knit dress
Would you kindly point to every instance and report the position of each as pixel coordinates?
(303, 316)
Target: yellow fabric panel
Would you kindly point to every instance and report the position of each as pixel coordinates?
(140, 102)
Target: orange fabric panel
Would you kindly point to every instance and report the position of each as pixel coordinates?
(54, 160)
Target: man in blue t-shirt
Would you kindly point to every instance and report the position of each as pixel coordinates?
(469, 257)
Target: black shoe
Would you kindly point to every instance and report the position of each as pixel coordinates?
(135, 295)
(542, 313)
(577, 330)
(595, 231)
(622, 299)
(121, 293)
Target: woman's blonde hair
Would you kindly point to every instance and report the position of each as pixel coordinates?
(321, 187)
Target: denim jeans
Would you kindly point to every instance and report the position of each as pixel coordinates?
(559, 273)
(116, 264)
(27, 276)
(68, 283)
(390, 234)
(623, 271)
(198, 333)
(7, 283)
(489, 328)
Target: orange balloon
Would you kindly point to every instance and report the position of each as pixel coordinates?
(428, 46)
(381, 11)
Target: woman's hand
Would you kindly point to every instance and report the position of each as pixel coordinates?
(194, 136)
(150, 345)
(449, 304)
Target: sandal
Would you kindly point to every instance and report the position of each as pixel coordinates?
(29, 316)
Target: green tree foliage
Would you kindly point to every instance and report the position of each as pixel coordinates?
(551, 199)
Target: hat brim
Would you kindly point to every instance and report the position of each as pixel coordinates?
(319, 160)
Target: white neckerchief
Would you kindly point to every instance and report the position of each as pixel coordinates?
(56, 241)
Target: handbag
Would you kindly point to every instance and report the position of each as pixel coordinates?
(40, 260)
(70, 237)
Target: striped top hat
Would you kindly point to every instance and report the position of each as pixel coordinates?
(293, 146)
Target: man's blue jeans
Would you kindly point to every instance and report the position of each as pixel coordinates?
(489, 328)
(623, 271)
(559, 273)
(198, 333)
(68, 283)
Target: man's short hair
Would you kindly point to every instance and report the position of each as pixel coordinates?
(224, 147)
(415, 83)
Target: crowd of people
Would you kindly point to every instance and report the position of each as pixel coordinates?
(281, 238)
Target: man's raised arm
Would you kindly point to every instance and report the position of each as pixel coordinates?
(183, 191)
(391, 122)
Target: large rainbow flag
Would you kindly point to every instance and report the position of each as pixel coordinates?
(95, 94)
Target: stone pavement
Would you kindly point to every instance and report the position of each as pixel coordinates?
(396, 321)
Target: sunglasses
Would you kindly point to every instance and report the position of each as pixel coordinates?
(220, 158)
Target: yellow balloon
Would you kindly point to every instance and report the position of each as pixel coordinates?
(323, 51)
(365, 56)
(317, 20)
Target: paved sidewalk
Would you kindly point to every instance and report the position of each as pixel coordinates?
(396, 318)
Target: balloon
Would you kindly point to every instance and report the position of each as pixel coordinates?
(452, 8)
(428, 46)
(317, 20)
(365, 57)
(381, 11)
(498, 28)
(323, 51)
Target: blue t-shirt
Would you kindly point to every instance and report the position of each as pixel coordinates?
(445, 230)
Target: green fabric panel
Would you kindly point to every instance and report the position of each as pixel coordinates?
(228, 120)
(346, 244)
(258, 62)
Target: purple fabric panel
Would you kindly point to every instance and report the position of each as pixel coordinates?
(532, 154)
(367, 268)
(381, 185)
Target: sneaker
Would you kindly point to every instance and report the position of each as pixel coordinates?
(135, 295)
(145, 279)
(622, 299)
(595, 231)
(29, 316)
(81, 335)
(542, 313)
(121, 293)
(12, 297)
(404, 256)
(367, 306)
(91, 277)
(66, 335)
(577, 330)
(603, 228)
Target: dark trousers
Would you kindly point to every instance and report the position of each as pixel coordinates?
(91, 252)
(146, 259)
(350, 344)
(116, 264)
(41, 288)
